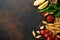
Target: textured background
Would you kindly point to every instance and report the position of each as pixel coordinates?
(17, 19)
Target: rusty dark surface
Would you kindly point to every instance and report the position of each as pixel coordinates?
(17, 19)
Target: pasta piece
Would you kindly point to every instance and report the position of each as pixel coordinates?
(38, 36)
(33, 32)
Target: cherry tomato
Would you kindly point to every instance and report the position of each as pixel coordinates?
(50, 33)
(52, 36)
(47, 31)
(48, 38)
(56, 38)
(42, 31)
(46, 35)
(43, 13)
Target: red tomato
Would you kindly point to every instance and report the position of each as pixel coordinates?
(50, 33)
(52, 36)
(56, 38)
(50, 18)
(46, 35)
(43, 13)
(47, 31)
(48, 38)
(42, 31)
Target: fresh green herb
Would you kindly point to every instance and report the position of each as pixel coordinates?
(58, 8)
(57, 14)
(51, 8)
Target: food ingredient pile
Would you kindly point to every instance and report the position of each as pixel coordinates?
(50, 9)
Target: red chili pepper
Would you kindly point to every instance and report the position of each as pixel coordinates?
(43, 13)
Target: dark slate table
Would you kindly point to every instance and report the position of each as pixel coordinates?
(17, 19)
